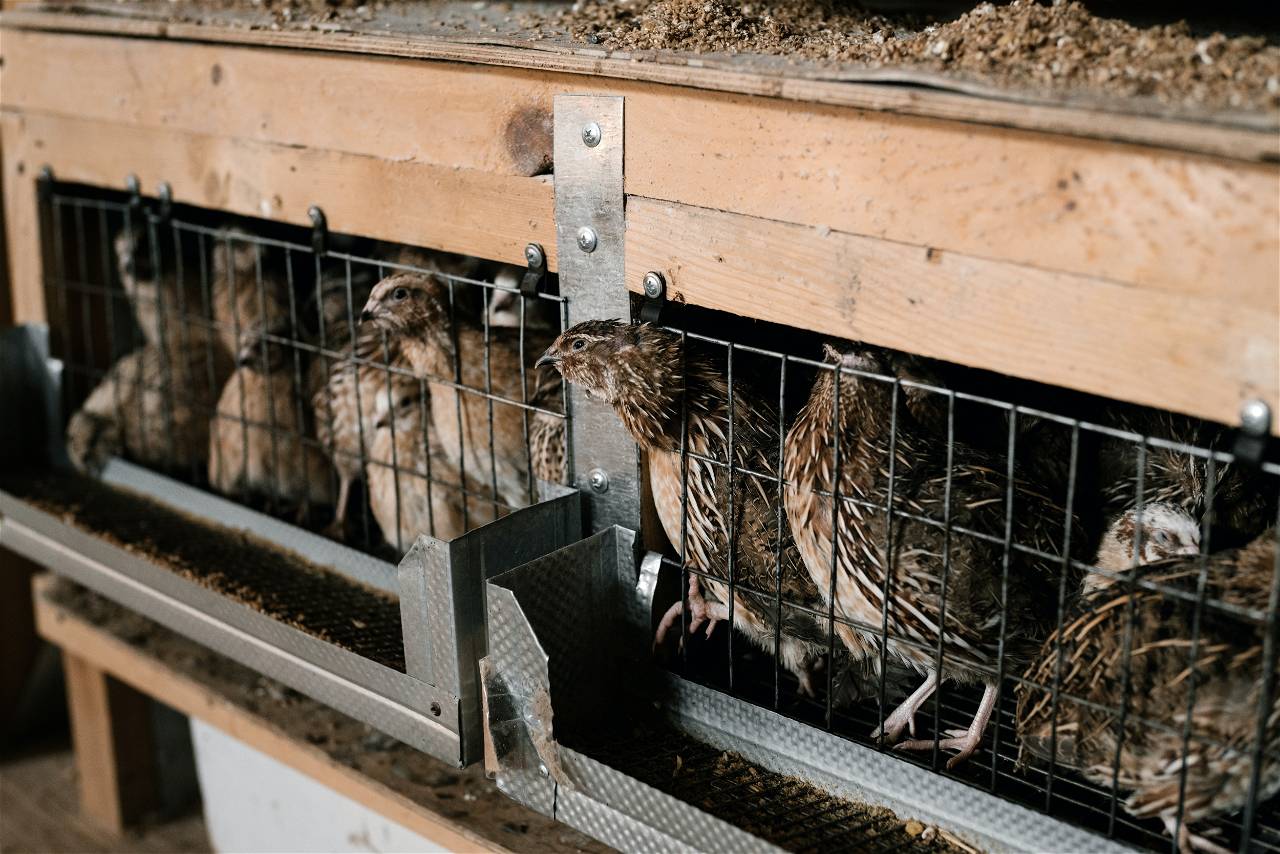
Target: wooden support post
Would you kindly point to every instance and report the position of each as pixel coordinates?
(111, 731)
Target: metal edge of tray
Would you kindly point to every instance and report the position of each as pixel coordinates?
(622, 811)
(858, 772)
(357, 566)
(378, 695)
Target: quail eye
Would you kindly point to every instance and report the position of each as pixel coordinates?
(400, 294)
(1161, 538)
(579, 344)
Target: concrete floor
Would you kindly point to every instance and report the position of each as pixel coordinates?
(39, 812)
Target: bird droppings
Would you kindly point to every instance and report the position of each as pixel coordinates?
(1057, 47)
(249, 570)
(345, 742)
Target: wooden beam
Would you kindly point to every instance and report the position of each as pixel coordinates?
(21, 229)
(910, 91)
(1198, 355)
(461, 210)
(111, 731)
(1140, 215)
(182, 693)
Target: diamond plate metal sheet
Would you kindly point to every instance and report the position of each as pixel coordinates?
(641, 817)
(589, 194)
(859, 773)
(112, 578)
(442, 599)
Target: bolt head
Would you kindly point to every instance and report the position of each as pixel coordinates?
(591, 134)
(533, 255)
(1255, 417)
(587, 239)
(598, 480)
(654, 285)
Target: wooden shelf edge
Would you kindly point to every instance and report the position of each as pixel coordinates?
(894, 93)
(121, 661)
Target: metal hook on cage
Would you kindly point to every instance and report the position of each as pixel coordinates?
(319, 230)
(1254, 433)
(164, 196)
(134, 188)
(536, 257)
(655, 296)
(44, 184)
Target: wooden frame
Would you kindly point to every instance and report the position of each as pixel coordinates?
(1134, 271)
(106, 679)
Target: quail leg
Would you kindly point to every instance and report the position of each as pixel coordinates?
(904, 717)
(337, 529)
(701, 611)
(1189, 842)
(964, 742)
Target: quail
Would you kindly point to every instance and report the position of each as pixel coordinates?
(261, 440)
(860, 555)
(249, 293)
(413, 489)
(479, 380)
(153, 294)
(154, 402)
(1140, 704)
(1243, 505)
(668, 397)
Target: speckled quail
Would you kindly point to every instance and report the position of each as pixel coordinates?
(938, 583)
(656, 384)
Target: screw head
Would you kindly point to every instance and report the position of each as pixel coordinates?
(1255, 417)
(534, 256)
(587, 239)
(598, 480)
(655, 285)
(591, 134)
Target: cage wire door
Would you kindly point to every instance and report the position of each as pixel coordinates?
(344, 398)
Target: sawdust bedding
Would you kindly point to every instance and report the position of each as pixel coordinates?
(1057, 48)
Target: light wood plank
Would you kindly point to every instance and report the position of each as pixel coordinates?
(1190, 354)
(189, 697)
(1160, 219)
(111, 731)
(467, 211)
(911, 91)
(21, 229)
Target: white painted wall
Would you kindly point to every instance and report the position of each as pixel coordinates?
(252, 803)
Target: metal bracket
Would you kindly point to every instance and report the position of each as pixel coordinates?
(536, 274)
(164, 198)
(1255, 431)
(655, 296)
(319, 230)
(590, 236)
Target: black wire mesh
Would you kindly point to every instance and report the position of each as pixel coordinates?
(235, 356)
(1229, 503)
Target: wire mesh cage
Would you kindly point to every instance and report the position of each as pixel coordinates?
(1067, 601)
(278, 416)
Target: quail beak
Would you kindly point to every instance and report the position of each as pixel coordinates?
(547, 358)
(366, 316)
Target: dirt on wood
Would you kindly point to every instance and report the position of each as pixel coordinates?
(1055, 47)
(464, 797)
(232, 562)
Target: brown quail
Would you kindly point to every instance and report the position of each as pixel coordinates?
(413, 488)
(471, 379)
(910, 553)
(1087, 662)
(651, 380)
